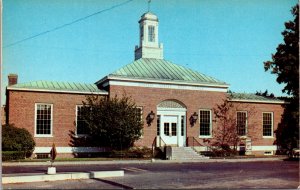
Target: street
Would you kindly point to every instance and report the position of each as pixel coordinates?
(263, 174)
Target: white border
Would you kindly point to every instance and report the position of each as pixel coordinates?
(35, 117)
(68, 149)
(258, 101)
(166, 86)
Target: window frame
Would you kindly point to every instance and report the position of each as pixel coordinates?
(35, 120)
(246, 123)
(272, 124)
(151, 36)
(210, 124)
(142, 130)
(76, 117)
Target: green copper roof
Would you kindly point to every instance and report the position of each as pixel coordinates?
(58, 87)
(252, 97)
(159, 69)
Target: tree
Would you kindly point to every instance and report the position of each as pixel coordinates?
(112, 122)
(17, 139)
(285, 64)
(227, 132)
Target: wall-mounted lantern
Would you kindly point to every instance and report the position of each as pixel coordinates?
(193, 118)
(150, 118)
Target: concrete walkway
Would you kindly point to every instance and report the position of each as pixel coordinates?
(141, 161)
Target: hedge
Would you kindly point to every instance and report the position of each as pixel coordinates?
(13, 155)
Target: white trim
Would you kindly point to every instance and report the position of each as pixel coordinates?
(253, 148)
(171, 109)
(58, 91)
(35, 118)
(210, 123)
(171, 85)
(68, 149)
(168, 82)
(272, 129)
(142, 130)
(258, 101)
(264, 148)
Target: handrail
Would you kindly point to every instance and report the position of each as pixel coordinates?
(155, 144)
(195, 141)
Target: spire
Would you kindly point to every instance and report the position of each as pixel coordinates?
(149, 46)
(149, 1)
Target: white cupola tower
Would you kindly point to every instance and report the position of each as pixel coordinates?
(149, 46)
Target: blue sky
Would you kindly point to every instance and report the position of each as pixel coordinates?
(228, 40)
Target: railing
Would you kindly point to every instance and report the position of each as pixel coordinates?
(192, 142)
(158, 142)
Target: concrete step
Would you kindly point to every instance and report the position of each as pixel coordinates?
(185, 153)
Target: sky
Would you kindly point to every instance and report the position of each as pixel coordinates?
(228, 40)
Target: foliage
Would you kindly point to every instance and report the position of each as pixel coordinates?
(134, 152)
(225, 134)
(12, 155)
(287, 133)
(226, 137)
(112, 122)
(265, 94)
(16, 139)
(285, 64)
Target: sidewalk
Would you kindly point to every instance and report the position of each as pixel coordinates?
(57, 163)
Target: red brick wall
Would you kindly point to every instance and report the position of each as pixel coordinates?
(255, 128)
(22, 114)
(22, 109)
(149, 98)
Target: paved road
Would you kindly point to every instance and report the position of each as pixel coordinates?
(271, 174)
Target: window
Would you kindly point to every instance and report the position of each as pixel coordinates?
(158, 125)
(151, 33)
(241, 123)
(139, 113)
(81, 125)
(166, 129)
(174, 127)
(43, 123)
(142, 32)
(267, 124)
(182, 125)
(205, 122)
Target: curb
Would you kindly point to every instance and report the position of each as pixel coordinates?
(62, 176)
(47, 163)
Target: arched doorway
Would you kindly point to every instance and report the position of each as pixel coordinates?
(171, 126)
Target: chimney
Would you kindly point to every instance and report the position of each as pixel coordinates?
(12, 79)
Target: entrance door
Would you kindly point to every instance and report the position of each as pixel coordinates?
(169, 129)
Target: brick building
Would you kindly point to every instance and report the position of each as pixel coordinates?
(181, 99)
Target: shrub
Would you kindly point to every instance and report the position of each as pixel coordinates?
(17, 139)
(134, 152)
(12, 155)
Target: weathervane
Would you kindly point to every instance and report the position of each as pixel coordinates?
(149, 1)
